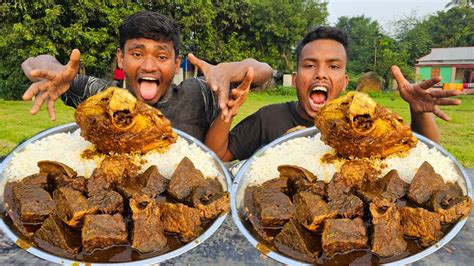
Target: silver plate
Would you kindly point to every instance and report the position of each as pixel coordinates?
(224, 177)
(240, 184)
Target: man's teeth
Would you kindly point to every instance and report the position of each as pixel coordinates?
(319, 88)
(149, 79)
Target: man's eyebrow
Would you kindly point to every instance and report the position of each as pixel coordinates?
(137, 46)
(141, 46)
(334, 59)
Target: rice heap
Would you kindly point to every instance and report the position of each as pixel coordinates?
(307, 152)
(67, 148)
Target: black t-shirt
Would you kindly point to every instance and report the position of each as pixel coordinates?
(262, 127)
(191, 106)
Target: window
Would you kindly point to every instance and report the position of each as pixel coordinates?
(434, 71)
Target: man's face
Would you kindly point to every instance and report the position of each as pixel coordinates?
(321, 75)
(149, 67)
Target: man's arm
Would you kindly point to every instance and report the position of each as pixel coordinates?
(424, 103)
(217, 137)
(220, 76)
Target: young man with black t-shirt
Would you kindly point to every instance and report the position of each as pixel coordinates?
(320, 77)
(149, 57)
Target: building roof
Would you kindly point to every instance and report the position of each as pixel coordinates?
(448, 56)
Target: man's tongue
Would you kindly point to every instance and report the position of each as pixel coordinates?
(318, 97)
(148, 89)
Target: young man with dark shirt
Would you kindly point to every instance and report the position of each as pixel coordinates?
(149, 57)
(320, 77)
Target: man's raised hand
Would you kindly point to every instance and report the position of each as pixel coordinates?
(51, 80)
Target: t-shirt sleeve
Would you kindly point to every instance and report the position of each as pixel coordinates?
(82, 87)
(246, 137)
(211, 103)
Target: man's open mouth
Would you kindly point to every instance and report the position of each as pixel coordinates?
(148, 87)
(318, 97)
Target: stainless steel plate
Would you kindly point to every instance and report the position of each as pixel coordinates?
(240, 184)
(224, 177)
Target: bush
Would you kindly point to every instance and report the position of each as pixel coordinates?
(281, 90)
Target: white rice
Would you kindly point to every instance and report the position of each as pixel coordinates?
(307, 152)
(68, 147)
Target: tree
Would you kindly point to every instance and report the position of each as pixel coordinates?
(30, 28)
(365, 37)
(462, 3)
(277, 26)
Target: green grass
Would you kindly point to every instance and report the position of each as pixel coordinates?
(16, 123)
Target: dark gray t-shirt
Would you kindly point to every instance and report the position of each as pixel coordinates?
(262, 127)
(190, 106)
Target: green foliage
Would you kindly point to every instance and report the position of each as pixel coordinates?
(215, 31)
(281, 91)
(364, 34)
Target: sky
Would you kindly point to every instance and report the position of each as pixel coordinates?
(384, 11)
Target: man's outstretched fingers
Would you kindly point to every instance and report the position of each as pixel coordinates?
(43, 73)
(430, 82)
(74, 59)
(445, 93)
(441, 114)
(445, 101)
(35, 89)
(398, 76)
(39, 100)
(51, 111)
(202, 65)
(247, 79)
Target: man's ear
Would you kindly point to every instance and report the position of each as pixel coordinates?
(177, 64)
(293, 79)
(346, 81)
(119, 54)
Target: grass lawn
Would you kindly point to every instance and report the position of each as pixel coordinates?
(16, 123)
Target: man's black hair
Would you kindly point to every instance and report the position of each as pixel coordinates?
(323, 33)
(150, 25)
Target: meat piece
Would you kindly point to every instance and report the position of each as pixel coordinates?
(210, 200)
(369, 193)
(424, 184)
(337, 187)
(62, 175)
(184, 179)
(71, 206)
(295, 242)
(311, 210)
(387, 237)
(422, 224)
(147, 233)
(34, 204)
(117, 168)
(56, 237)
(348, 207)
(102, 231)
(181, 219)
(296, 172)
(40, 180)
(357, 173)
(274, 208)
(107, 202)
(249, 208)
(356, 126)
(114, 121)
(393, 186)
(150, 183)
(280, 183)
(98, 183)
(342, 235)
(450, 204)
(12, 210)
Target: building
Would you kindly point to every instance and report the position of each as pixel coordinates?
(454, 65)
